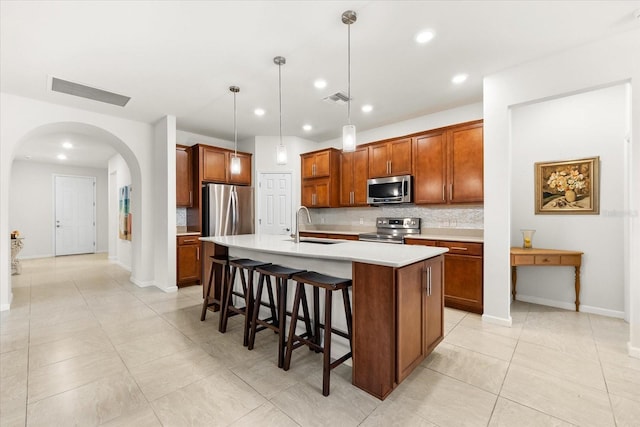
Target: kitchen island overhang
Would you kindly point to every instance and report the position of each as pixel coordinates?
(397, 297)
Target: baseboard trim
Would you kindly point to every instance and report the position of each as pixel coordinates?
(633, 351)
(120, 264)
(35, 256)
(170, 289)
(140, 283)
(571, 306)
(497, 320)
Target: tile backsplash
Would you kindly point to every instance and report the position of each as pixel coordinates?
(471, 217)
(181, 217)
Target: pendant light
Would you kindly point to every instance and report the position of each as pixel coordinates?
(349, 130)
(281, 150)
(235, 160)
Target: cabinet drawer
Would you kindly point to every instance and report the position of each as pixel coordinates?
(188, 240)
(462, 248)
(548, 259)
(523, 260)
(571, 259)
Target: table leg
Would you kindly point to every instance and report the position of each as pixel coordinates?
(577, 288)
(514, 279)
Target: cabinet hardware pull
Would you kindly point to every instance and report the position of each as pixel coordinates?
(459, 248)
(443, 193)
(425, 273)
(198, 253)
(190, 197)
(429, 281)
(450, 192)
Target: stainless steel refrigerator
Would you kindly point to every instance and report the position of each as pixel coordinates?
(227, 210)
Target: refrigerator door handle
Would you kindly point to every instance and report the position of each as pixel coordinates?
(234, 211)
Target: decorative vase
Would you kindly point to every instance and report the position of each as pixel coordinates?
(570, 196)
(527, 236)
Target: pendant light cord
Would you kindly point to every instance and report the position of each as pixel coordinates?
(349, 72)
(280, 98)
(235, 127)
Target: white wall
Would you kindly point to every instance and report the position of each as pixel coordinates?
(590, 66)
(584, 125)
(121, 253)
(31, 205)
(189, 139)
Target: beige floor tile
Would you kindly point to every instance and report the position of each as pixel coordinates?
(120, 333)
(54, 316)
(622, 381)
(396, 413)
(474, 321)
(509, 414)
(559, 364)
(557, 397)
(167, 374)
(618, 356)
(14, 363)
(142, 417)
(152, 347)
(445, 401)
(187, 321)
(473, 368)
(562, 340)
(71, 373)
(227, 348)
(66, 329)
(217, 400)
(13, 400)
(85, 342)
(453, 315)
(192, 292)
(116, 315)
(265, 415)
(626, 411)
(346, 405)
(14, 340)
(91, 404)
(482, 342)
(173, 305)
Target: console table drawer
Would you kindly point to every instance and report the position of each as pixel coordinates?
(548, 259)
(523, 260)
(571, 259)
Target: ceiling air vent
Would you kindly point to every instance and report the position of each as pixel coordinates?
(337, 98)
(76, 89)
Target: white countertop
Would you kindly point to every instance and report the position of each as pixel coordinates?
(474, 236)
(449, 237)
(344, 250)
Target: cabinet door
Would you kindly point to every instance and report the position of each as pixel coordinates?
(184, 195)
(378, 161)
(466, 164)
(346, 178)
(214, 165)
(244, 177)
(360, 166)
(308, 194)
(434, 301)
(411, 290)
(322, 194)
(188, 268)
(463, 282)
(400, 157)
(323, 164)
(430, 170)
(307, 165)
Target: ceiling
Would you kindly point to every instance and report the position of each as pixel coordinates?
(180, 57)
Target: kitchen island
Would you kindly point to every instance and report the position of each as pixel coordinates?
(397, 297)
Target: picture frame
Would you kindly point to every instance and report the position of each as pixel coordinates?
(568, 187)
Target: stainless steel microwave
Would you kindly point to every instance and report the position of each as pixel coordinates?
(393, 189)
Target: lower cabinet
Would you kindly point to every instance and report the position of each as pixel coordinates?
(329, 235)
(188, 260)
(398, 321)
(463, 273)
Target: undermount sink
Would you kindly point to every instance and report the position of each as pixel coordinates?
(317, 240)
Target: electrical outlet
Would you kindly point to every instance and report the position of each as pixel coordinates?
(361, 221)
(322, 220)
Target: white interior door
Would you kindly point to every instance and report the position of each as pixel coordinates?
(75, 214)
(275, 203)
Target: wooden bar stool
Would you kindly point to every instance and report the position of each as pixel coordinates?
(329, 284)
(228, 309)
(213, 301)
(277, 321)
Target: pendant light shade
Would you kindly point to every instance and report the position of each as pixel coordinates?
(235, 160)
(349, 130)
(281, 150)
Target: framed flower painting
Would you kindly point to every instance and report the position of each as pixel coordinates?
(568, 187)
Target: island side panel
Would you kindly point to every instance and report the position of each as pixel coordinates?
(374, 337)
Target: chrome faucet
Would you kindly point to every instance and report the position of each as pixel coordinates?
(296, 237)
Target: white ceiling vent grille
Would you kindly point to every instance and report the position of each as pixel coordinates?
(337, 98)
(76, 89)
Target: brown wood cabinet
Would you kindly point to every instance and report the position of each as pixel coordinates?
(463, 273)
(188, 260)
(320, 178)
(400, 310)
(244, 177)
(353, 177)
(391, 157)
(329, 235)
(184, 182)
(448, 165)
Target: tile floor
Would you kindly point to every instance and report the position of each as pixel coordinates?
(83, 346)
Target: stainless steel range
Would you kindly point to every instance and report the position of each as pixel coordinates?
(392, 230)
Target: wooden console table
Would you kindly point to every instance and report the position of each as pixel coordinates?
(545, 257)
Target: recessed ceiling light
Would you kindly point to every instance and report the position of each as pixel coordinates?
(61, 157)
(258, 112)
(424, 36)
(367, 108)
(67, 145)
(459, 78)
(307, 127)
(320, 84)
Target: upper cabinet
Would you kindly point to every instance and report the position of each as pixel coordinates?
(448, 165)
(244, 177)
(215, 166)
(184, 189)
(320, 178)
(353, 177)
(390, 158)
(316, 164)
